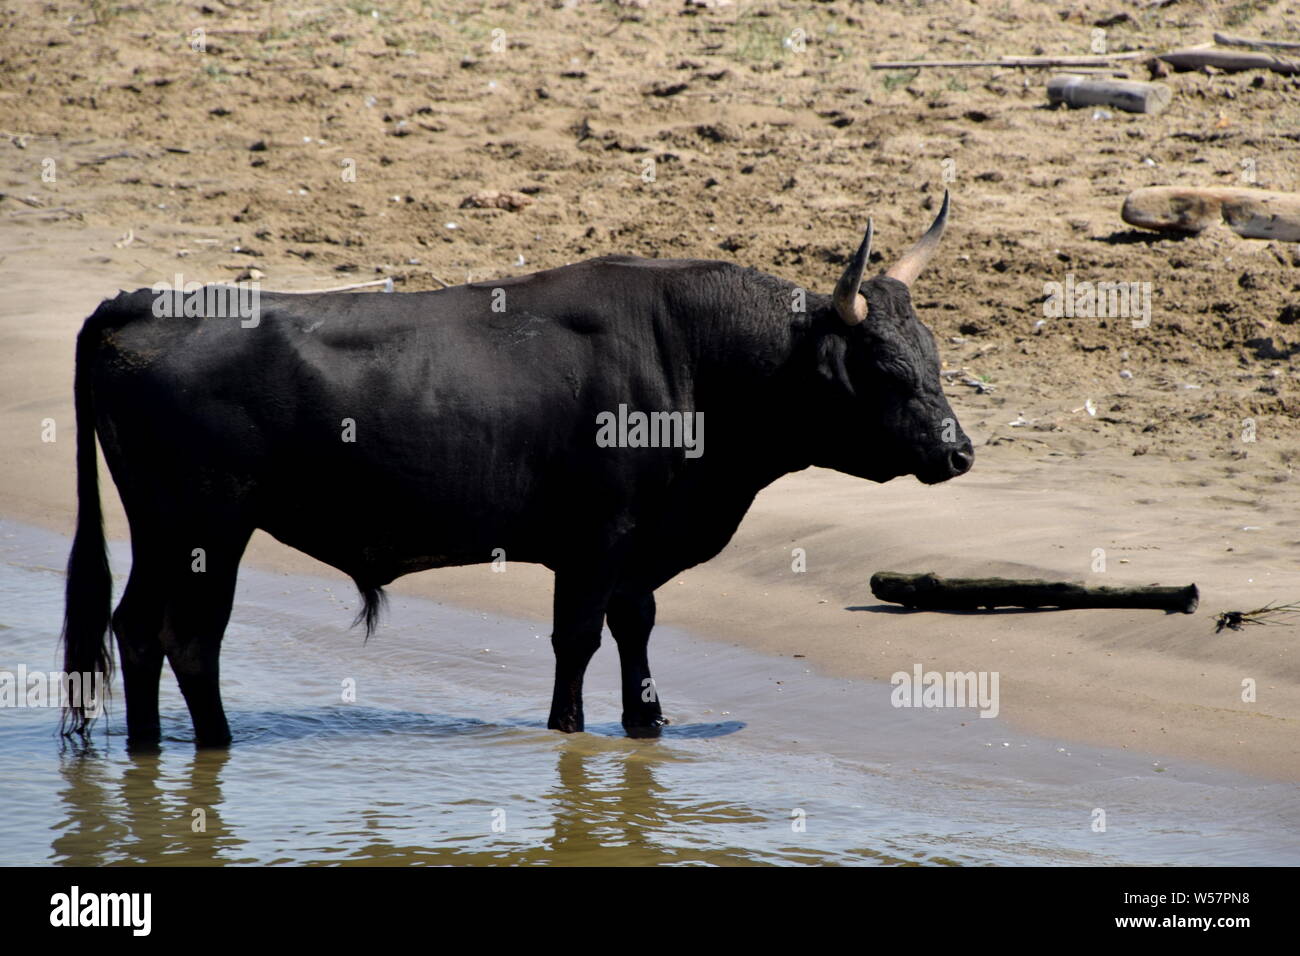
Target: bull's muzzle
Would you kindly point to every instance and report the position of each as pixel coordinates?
(954, 463)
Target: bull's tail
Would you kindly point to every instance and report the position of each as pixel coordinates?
(89, 592)
(373, 602)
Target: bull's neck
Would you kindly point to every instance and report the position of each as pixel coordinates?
(750, 352)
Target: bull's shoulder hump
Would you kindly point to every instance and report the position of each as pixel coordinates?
(605, 263)
(126, 301)
(123, 308)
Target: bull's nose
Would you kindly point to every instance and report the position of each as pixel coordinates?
(960, 460)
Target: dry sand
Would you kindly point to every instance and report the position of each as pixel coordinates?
(1159, 478)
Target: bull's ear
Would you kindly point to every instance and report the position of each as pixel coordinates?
(849, 305)
(906, 269)
(831, 350)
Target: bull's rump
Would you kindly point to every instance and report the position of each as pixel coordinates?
(379, 432)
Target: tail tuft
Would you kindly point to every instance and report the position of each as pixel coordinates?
(373, 602)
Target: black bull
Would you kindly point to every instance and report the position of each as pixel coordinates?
(385, 434)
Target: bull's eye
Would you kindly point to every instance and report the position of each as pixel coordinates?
(896, 373)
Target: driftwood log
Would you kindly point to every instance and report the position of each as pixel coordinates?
(932, 593)
(1251, 213)
(1224, 39)
(1231, 61)
(1132, 96)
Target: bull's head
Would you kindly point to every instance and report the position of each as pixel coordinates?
(883, 370)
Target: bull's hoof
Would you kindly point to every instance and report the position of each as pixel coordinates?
(644, 729)
(565, 725)
(147, 746)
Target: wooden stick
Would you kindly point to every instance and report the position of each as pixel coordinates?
(1224, 39)
(1028, 61)
(34, 201)
(1115, 71)
(1229, 60)
(63, 210)
(388, 283)
(101, 160)
(1068, 60)
(933, 593)
(1132, 96)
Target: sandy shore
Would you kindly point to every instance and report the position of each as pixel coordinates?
(1135, 679)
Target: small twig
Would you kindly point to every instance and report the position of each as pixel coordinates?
(621, 21)
(1236, 620)
(34, 201)
(101, 160)
(963, 377)
(63, 210)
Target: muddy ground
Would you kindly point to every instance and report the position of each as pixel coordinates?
(331, 143)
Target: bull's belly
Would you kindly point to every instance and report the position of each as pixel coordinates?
(377, 523)
(380, 550)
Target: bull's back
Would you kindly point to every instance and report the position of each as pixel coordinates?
(376, 423)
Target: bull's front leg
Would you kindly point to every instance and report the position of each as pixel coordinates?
(631, 618)
(580, 601)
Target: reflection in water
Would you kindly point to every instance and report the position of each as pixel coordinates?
(590, 800)
(614, 800)
(144, 815)
(479, 780)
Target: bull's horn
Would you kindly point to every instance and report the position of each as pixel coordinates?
(850, 306)
(906, 269)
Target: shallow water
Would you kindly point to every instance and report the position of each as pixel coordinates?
(444, 758)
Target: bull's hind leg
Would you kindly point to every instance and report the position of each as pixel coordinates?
(137, 624)
(199, 599)
(631, 618)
